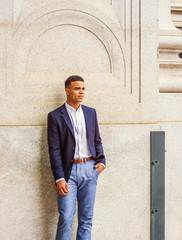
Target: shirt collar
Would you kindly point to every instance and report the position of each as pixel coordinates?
(70, 108)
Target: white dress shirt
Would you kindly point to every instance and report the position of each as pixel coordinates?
(77, 118)
(79, 128)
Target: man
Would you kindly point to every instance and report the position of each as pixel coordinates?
(77, 158)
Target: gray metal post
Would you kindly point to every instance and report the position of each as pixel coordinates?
(157, 144)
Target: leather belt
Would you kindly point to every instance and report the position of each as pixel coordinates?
(81, 160)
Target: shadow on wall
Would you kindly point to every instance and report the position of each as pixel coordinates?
(48, 195)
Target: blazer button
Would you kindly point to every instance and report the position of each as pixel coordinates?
(73, 148)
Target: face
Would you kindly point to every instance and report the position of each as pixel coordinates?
(75, 91)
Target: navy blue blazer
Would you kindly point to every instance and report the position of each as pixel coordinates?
(61, 140)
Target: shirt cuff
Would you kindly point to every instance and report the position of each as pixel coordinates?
(103, 164)
(58, 180)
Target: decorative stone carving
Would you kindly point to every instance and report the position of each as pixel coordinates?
(47, 41)
(176, 13)
(170, 46)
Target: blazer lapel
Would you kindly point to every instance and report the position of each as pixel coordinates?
(87, 119)
(66, 117)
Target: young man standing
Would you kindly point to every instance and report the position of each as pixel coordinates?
(77, 158)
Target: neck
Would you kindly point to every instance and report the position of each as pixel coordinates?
(75, 105)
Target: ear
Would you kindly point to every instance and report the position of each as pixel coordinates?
(67, 91)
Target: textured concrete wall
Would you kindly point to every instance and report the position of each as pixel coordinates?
(122, 210)
(173, 178)
(44, 42)
(113, 45)
(28, 206)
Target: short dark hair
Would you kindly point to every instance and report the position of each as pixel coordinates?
(73, 78)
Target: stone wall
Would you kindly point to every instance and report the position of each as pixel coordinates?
(113, 45)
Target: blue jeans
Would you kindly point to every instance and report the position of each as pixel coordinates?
(82, 185)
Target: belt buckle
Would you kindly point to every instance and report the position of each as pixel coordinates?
(84, 160)
(81, 160)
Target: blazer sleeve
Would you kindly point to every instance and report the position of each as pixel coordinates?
(54, 147)
(98, 144)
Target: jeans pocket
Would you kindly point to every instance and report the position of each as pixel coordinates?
(96, 171)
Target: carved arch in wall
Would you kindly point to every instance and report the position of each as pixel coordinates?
(88, 25)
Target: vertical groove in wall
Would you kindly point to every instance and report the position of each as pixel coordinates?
(12, 16)
(131, 44)
(4, 60)
(8, 19)
(125, 20)
(140, 100)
